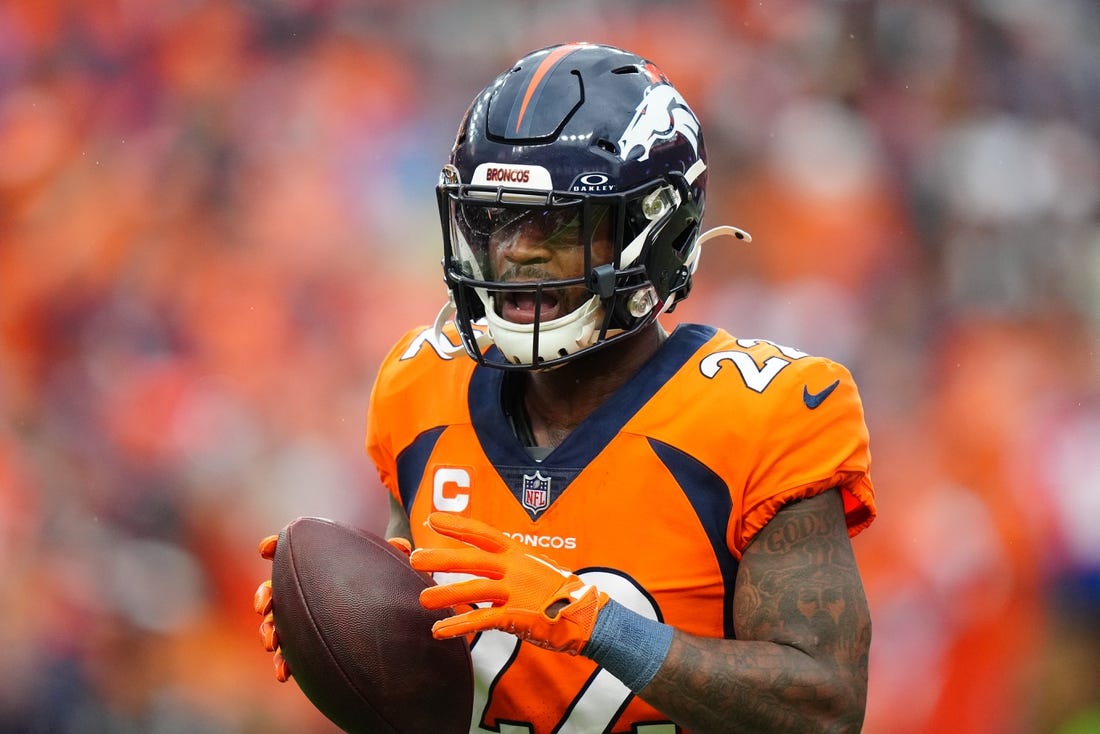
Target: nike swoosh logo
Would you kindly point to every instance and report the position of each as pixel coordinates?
(814, 399)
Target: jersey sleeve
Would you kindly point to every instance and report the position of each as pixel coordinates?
(380, 437)
(420, 386)
(813, 438)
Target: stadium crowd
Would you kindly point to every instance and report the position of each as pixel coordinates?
(217, 215)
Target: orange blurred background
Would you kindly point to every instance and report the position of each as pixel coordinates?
(216, 217)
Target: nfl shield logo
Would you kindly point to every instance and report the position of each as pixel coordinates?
(536, 492)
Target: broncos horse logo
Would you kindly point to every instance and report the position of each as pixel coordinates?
(660, 115)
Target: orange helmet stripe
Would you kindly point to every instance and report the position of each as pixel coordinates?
(547, 64)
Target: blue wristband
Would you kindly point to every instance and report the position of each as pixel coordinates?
(629, 646)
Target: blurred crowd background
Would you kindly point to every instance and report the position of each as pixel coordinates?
(217, 215)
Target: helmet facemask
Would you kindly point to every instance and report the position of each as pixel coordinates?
(538, 318)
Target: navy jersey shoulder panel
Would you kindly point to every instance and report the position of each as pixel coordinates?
(411, 463)
(710, 498)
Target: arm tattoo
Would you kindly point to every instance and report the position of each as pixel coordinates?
(799, 662)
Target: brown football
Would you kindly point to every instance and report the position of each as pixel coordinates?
(359, 645)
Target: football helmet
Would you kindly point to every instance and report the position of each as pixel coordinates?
(589, 150)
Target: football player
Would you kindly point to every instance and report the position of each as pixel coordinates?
(638, 530)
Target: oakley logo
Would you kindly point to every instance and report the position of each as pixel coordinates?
(592, 183)
(661, 115)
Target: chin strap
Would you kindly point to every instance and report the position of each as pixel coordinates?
(692, 260)
(446, 314)
(443, 317)
(727, 230)
(723, 230)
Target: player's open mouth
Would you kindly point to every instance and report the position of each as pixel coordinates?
(519, 306)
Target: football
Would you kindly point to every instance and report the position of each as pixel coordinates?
(359, 645)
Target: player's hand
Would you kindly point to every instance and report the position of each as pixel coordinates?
(263, 604)
(531, 596)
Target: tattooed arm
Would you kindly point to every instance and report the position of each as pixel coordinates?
(799, 663)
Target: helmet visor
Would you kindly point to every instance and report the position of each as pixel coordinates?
(519, 245)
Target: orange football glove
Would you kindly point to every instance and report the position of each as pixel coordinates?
(263, 604)
(401, 544)
(531, 596)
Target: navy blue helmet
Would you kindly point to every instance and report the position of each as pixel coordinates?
(595, 146)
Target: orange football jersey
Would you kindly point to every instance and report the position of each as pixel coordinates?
(653, 498)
